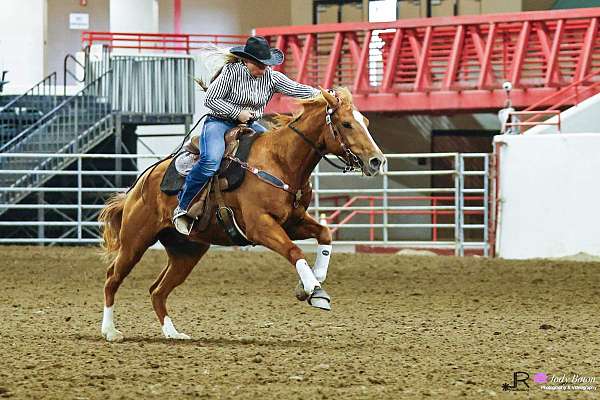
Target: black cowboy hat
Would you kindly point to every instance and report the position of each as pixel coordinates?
(257, 49)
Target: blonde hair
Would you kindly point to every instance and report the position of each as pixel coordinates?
(211, 61)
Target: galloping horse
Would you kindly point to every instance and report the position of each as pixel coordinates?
(269, 216)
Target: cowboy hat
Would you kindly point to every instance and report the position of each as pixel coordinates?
(257, 49)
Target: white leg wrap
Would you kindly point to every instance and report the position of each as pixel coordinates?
(170, 332)
(306, 276)
(108, 326)
(322, 262)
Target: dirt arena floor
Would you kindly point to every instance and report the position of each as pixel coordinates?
(401, 327)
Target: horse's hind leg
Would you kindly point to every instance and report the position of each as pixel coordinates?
(133, 247)
(183, 257)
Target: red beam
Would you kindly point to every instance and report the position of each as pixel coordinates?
(390, 63)
(454, 60)
(177, 16)
(467, 101)
(308, 44)
(334, 58)
(293, 43)
(588, 45)
(486, 72)
(553, 76)
(354, 47)
(281, 43)
(361, 71)
(423, 67)
(519, 56)
(477, 42)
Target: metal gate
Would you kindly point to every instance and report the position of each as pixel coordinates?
(411, 204)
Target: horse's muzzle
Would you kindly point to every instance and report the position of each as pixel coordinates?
(374, 166)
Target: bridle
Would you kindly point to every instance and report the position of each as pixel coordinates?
(350, 160)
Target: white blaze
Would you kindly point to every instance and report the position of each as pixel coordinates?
(361, 120)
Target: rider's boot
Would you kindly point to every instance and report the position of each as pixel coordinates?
(183, 222)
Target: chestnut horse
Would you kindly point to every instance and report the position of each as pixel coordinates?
(268, 215)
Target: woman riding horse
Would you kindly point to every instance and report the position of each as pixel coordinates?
(238, 95)
(268, 214)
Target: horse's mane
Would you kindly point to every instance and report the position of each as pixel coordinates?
(279, 121)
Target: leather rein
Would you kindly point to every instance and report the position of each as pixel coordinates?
(350, 160)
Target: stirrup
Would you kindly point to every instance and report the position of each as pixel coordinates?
(182, 222)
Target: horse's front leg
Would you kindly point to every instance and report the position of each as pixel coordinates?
(308, 228)
(264, 230)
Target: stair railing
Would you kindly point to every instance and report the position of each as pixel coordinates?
(25, 109)
(100, 87)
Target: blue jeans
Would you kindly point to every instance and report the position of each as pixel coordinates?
(212, 147)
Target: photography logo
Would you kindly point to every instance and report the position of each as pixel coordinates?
(519, 382)
(555, 382)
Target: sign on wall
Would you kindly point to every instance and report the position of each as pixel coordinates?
(79, 21)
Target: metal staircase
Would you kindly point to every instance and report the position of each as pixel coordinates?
(19, 112)
(75, 125)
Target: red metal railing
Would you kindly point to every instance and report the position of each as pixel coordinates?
(572, 94)
(372, 212)
(159, 42)
(450, 63)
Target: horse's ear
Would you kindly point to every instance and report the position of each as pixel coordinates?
(331, 100)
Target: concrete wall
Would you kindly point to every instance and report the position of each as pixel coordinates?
(301, 12)
(409, 9)
(61, 39)
(494, 6)
(535, 5)
(548, 195)
(226, 16)
(23, 33)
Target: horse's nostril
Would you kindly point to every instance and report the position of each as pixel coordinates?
(374, 163)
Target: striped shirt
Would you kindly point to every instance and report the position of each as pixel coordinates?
(236, 89)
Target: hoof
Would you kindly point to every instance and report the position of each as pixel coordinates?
(320, 299)
(301, 295)
(170, 332)
(178, 336)
(113, 335)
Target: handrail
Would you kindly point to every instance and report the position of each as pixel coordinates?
(66, 71)
(49, 78)
(529, 123)
(564, 90)
(561, 94)
(50, 114)
(159, 41)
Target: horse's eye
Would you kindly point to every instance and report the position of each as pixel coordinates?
(347, 125)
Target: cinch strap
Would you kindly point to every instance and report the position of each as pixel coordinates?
(270, 179)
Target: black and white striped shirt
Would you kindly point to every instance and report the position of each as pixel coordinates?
(236, 89)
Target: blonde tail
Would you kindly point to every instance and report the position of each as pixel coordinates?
(110, 217)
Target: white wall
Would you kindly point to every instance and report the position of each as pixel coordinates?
(134, 16)
(580, 118)
(549, 189)
(22, 42)
(237, 17)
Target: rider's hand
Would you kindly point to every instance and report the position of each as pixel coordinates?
(245, 116)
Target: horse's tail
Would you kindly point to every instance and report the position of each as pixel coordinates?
(110, 217)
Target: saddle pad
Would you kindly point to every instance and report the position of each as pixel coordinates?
(172, 181)
(181, 164)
